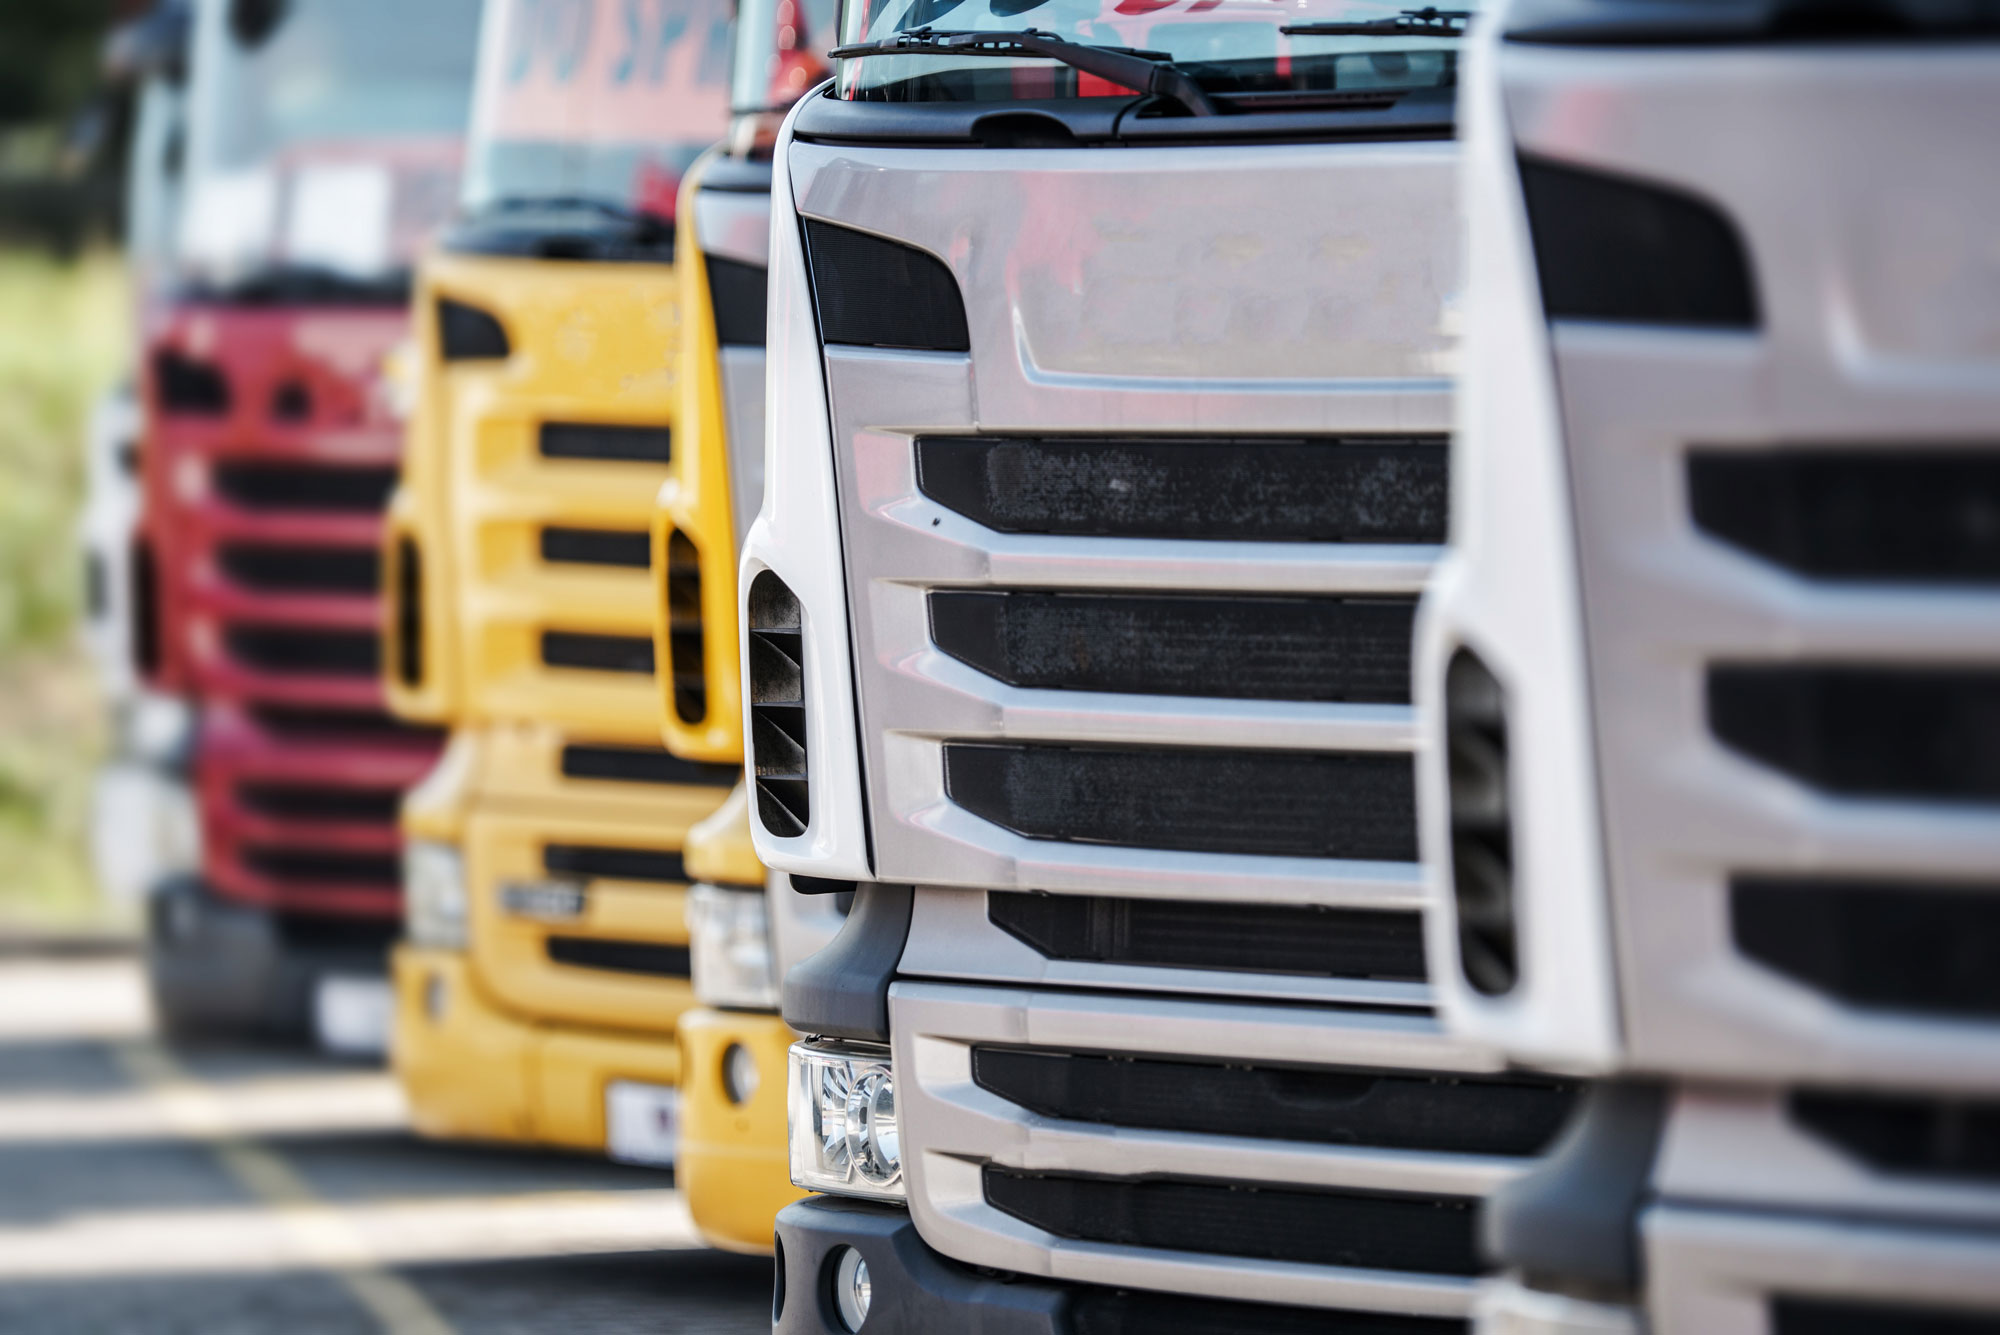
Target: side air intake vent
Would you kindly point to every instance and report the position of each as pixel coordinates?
(595, 440)
(776, 642)
(1926, 948)
(1930, 515)
(1941, 1138)
(1634, 252)
(468, 334)
(276, 486)
(640, 764)
(305, 651)
(597, 653)
(186, 386)
(1365, 1230)
(883, 294)
(409, 612)
(597, 547)
(1482, 841)
(270, 568)
(1913, 734)
(1338, 489)
(1245, 938)
(687, 646)
(604, 862)
(738, 293)
(1244, 648)
(637, 957)
(1454, 1114)
(1278, 803)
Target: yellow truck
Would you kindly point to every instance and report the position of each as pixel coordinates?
(746, 926)
(546, 960)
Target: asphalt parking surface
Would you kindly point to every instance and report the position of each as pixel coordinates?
(241, 1192)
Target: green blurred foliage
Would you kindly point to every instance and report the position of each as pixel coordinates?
(64, 338)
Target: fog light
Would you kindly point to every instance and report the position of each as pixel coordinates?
(843, 1128)
(740, 1076)
(852, 1291)
(434, 896)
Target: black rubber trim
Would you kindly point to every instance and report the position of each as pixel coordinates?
(1381, 489)
(1357, 805)
(1866, 514)
(843, 990)
(651, 959)
(606, 862)
(1614, 248)
(1245, 938)
(873, 292)
(1403, 1110)
(1368, 1230)
(729, 174)
(738, 293)
(1572, 1223)
(560, 234)
(467, 333)
(1235, 647)
(643, 764)
(1917, 947)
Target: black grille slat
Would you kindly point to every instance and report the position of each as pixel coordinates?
(307, 866)
(1249, 938)
(596, 440)
(409, 612)
(1445, 1114)
(1238, 647)
(271, 568)
(1096, 1311)
(597, 653)
(597, 547)
(1921, 515)
(687, 644)
(310, 723)
(604, 862)
(310, 802)
(1248, 489)
(1805, 1316)
(1911, 947)
(635, 957)
(328, 488)
(639, 764)
(775, 642)
(1365, 1230)
(1916, 734)
(1276, 803)
(306, 651)
(1924, 1137)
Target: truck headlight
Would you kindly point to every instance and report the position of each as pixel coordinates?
(729, 939)
(434, 898)
(842, 1113)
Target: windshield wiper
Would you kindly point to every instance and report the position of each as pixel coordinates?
(1429, 21)
(1148, 71)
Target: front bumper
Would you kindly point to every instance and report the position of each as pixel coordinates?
(473, 1072)
(215, 966)
(733, 1167)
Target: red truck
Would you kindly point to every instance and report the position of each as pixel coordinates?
(323, 146)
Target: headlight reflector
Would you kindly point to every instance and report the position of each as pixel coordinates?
(729, 935)
(845, 1137)
(434, 898)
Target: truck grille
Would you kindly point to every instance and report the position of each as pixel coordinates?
(617, 444)
(596, 547)
(637, 957)
(592, 862)
(1282, 803)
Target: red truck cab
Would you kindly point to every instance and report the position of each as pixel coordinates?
(324, 146)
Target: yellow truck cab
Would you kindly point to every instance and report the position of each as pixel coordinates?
(746, 925)
(546, 961)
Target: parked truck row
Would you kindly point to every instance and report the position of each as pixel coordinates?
(1110, 666)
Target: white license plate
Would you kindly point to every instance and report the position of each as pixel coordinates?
(642, 1123)
(352, 1015)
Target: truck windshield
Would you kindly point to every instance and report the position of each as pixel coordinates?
(596, 104)
(1238, 50)
(781, 48)
(325, 136)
